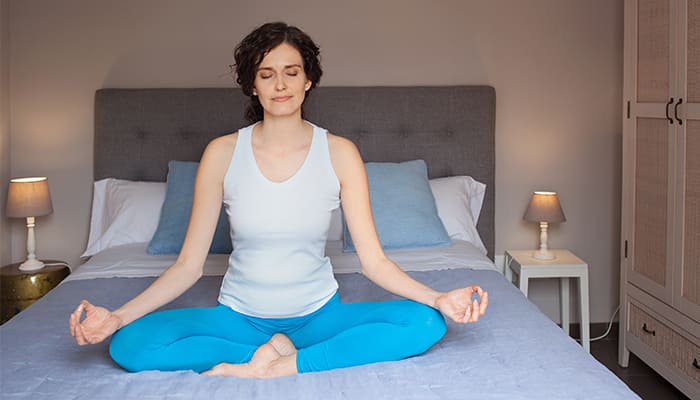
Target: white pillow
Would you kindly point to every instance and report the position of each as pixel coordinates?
(459, 200)
(470, 187)
(127, 212)
(123, 212)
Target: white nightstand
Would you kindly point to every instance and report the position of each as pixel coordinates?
(566, 265)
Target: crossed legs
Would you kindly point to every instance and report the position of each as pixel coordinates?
(223, 342)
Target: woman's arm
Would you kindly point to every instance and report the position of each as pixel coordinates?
(186, 270)
(354, 194)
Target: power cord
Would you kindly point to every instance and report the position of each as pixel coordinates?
(607, 331)
(57, 263)
(506, 265)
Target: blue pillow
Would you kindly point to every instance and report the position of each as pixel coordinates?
(403, 207)
(176, 210)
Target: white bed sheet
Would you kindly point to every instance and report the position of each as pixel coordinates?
(460, 254)
(132, 261)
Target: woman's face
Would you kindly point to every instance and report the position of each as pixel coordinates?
(280, 81)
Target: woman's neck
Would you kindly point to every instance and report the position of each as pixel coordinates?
(286, 131)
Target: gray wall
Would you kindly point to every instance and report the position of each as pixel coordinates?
(5, 254)
(556, 66)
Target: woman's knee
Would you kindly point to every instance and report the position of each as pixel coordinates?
(126, 348)
(428, 324)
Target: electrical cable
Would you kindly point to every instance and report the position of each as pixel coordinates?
(58, 263)
(607, 331)
(612, 318)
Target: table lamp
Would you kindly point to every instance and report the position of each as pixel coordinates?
(29, 198)
(544, 208)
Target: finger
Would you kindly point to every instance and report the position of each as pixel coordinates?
(478, 290)
(83, 336)
(475, 311)
(463, 297)
(89, 308)
(78, 310)
(467, 313)
(80, 336)
(75, 317)
(88, 338)
(71, 324)
(484, 303)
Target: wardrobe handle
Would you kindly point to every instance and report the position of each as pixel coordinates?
(645, 329)
(668, 117)
(675, 110)
(695, 363)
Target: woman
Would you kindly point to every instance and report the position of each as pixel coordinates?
(279, 312)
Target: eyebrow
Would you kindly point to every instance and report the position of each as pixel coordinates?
(285, 67)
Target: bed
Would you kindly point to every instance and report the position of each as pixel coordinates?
(513, 352)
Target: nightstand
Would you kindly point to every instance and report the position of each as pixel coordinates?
(566, 265)
(19, 289)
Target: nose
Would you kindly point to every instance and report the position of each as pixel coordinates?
(280, 84)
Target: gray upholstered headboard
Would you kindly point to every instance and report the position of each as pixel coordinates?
(137, 131)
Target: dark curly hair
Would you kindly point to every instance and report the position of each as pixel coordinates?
(253, 48)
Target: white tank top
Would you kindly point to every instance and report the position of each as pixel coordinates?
(278, 267)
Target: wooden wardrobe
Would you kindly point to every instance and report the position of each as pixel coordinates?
(660, 255)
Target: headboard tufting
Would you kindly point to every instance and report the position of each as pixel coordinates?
(137, 131)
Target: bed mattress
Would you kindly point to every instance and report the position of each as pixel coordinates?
(513, 352)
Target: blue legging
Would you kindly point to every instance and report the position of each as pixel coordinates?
(335, 336)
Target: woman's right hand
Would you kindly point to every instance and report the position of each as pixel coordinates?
(99, 323)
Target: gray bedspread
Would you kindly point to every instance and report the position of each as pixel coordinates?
(514, 352)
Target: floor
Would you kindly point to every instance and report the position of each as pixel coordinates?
(638, 376)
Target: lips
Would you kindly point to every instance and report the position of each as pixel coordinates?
(281, 99)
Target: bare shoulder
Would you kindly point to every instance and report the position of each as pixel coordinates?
(217, 155)
(345, 156)
(223, 144)
(341, 148)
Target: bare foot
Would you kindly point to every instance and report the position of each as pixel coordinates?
(282, 344)
(265, 363)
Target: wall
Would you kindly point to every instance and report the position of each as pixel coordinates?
(5, 254)
(556, 66)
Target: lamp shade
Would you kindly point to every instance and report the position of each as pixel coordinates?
(544, 207)
(28, 197)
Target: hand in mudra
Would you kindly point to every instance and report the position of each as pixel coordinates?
(458, 305)
(99, 323)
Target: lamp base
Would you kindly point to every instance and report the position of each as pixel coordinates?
(31, 265)
(544, 255)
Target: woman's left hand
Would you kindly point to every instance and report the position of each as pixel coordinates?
(459, 306)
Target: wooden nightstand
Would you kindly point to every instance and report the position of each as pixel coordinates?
(19, 289)
(566, 265)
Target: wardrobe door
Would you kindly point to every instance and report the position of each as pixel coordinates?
(689, 162)
(649, 146)
(690, 276)
(651, 261)
(653, 52)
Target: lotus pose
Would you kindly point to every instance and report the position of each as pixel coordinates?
(279, 312)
